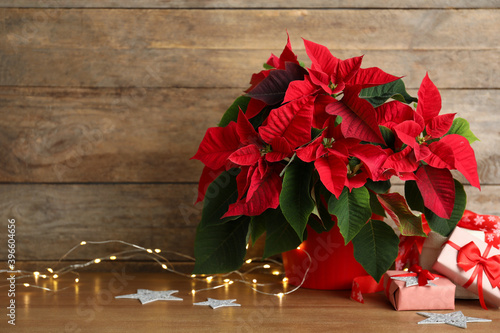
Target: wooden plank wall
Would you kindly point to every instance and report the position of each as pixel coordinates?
(103, 102)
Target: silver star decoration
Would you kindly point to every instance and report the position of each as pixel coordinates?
(148, 296)
(411, 280)
(218, 303)
(453, 318)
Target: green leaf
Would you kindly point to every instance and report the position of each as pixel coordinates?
(316, 223)
(378, 95)
(280, 236)
(413, 196)
(232, 113)
(327, 220)
(220, 248)
(446, 226)
(295, 198)
(220, 194)
(461, 127)
(267, 66)
(375, 205)
(315, 132)
(395, 205)
(382, 186)
(257, 228)
(376, 248)
(352, 211)
(388, 136)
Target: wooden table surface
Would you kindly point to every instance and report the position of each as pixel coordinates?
(90, 306)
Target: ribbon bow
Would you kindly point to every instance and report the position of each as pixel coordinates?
(422, 275)
(469, 256)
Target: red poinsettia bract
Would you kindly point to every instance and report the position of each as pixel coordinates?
(430, 153)
(259, 155)
(331, 152)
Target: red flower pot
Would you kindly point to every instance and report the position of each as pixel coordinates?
(332, 265)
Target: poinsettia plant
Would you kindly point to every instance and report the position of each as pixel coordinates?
(318, 146)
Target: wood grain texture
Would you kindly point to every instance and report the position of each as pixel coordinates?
(105, 135)
(103, 102)
(51, 219)
(90, 306)
(199, 48)
(217, 4)
(148, 135)
(249, 29)
(226, 68)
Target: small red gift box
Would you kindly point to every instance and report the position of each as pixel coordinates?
(441, 296)
(470, 262)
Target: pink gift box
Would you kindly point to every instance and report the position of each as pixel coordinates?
(447, 265)
(438, 297)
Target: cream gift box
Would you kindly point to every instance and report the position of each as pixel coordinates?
(447, 265)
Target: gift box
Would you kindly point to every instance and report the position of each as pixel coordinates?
(440, 296)
(472, 263)
(430, 252)
(484, 227)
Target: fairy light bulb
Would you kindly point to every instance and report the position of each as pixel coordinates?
(83, 242)
(112, 258)
(50, 270)
(97, 260)
(285, 280)
(276, 273)
(280, 295)
(77, 280)
(193, 275)
(254, 281)
(157, 250)
(26, 284)
(164, 266)
(149, 251)
(248, 261)
(36, 273)
(55, 276)
(209, 278)
(267, 266)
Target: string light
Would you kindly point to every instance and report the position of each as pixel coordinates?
(162, 261)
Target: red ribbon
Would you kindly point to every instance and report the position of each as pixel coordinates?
(422, 274)
(489, 224)
(469, 256)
